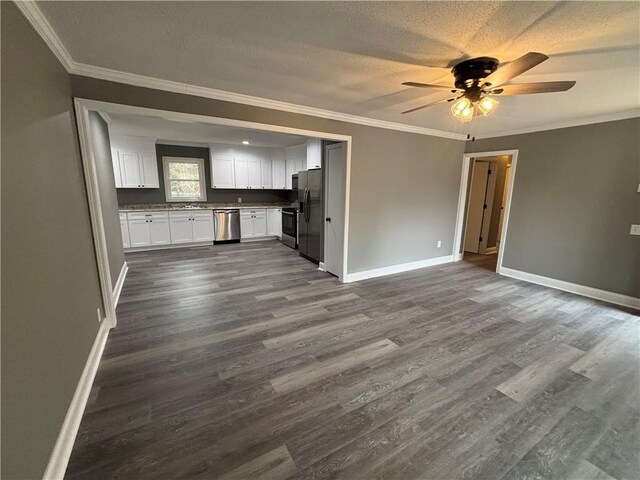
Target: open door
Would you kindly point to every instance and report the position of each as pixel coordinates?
(483, 185)
(335, 183)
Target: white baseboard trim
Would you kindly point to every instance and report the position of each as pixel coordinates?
(169, 246)
(64, 444)
(490, 250)
(457, 257)
(322, 267)
(118, 287)
(605, 296)
(403, 267)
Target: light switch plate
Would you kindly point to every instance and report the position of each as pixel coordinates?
(635, 229)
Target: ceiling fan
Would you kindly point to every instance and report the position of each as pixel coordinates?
(477, 80)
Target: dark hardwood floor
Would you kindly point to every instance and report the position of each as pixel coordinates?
(243, 361)
(488, 262)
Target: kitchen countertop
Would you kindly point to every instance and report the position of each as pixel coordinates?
(204, 206)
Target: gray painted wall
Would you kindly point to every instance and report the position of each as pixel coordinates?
(128, 196)
(404, 186)
(108, 198)
(50, 288)
(574, 200)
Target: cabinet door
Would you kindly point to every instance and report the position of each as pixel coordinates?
(130, 169)
(274, 222)
(301, 165)
(202, 226)
(314, 153)
(124, 229)
(241, 170)
(246, 226)
(279, 174)
(267, 173)
(180, 228)
(117, 176)
(254, 173)
(222, 173)
(291, 168)
(139, 233)
(260, 225)
(149, 170)
(160, 233)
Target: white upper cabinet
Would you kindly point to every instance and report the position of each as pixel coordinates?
(254, 168)
(149, 170)
(267, 173)
(130, 170)
(222, 173)
(135, 164)
(240, 166)
(116, 167)
(314, 153)
(241, 172)
(279, 169)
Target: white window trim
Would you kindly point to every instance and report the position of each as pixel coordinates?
(167, 180)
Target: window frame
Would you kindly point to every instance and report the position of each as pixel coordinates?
(167, 181)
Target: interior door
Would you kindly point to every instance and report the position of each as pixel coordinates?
(335, 184)
(476, 206)
(488, 208)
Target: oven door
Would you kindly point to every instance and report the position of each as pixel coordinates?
(290, 228)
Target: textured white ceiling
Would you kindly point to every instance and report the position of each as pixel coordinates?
(351, 57)
(197, 133)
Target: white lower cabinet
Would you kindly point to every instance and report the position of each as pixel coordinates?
(274, 222)
(253, 223)
(124, 229)
(181, 227)
(148, 229)
(202, 224)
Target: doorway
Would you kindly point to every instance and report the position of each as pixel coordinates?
(483, 208)
(83, 108)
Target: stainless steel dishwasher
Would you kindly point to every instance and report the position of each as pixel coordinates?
(227, 225)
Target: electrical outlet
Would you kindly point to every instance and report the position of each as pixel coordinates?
(99, 315)
(239, 199)
(635, 229)
(439, 243)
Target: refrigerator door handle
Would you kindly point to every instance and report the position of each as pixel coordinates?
(307, 201)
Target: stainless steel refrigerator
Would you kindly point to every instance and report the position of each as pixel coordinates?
(310, 217)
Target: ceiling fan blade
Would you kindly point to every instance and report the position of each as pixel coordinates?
(430, 104)
(429, 85)
(515, 68)
(527, 88)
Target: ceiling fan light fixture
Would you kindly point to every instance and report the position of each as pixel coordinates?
(459, 106)
(487, 105)
(467, 114)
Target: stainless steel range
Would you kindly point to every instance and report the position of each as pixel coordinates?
(290, 227)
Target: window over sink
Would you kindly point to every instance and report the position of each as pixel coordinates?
(184, 179)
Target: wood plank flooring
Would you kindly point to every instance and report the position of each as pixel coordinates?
(244, 361)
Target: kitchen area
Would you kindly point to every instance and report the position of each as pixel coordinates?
(187, 185)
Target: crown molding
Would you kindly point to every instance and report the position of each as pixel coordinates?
(102, 73)
(32, 12)
(607, 117)
(41, 25)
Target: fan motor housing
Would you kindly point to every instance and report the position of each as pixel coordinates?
(469, 72)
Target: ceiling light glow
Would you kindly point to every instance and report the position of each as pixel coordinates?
(245, 142)
(487, 105)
